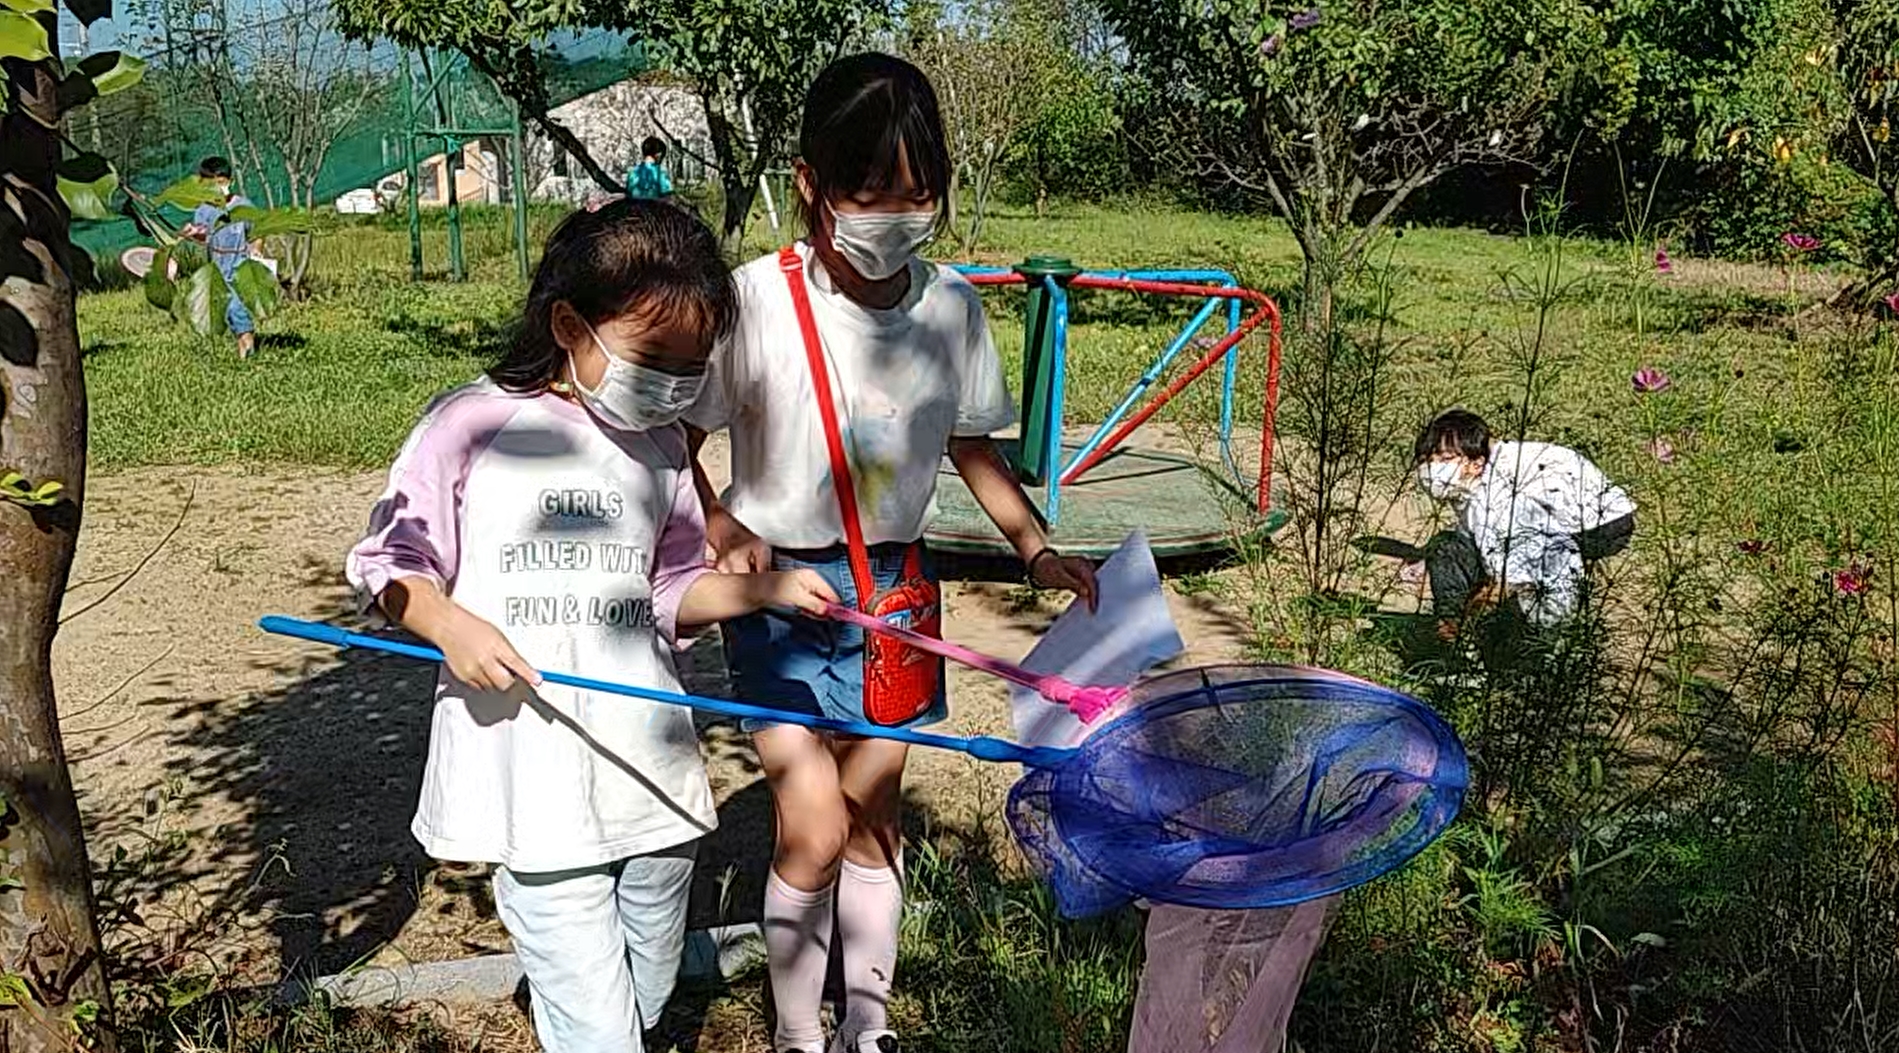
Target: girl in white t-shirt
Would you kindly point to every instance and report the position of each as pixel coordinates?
(912, 375)
(543, 516)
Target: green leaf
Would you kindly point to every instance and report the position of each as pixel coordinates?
(181, 992)
(90, 200)
(22, 37)
(74, 90)
(13, 990)
(201, 301)
(112, 71)
(27, 7)
(89, 11)
(16, 488)
(159, 290)
(256, 288)
(190, 192)
(266, 224)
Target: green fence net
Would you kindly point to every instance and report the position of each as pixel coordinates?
(306, 116)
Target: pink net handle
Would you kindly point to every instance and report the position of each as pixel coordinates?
(1085, 702)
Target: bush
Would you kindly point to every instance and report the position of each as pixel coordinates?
(1072, 146)
(1739, 209)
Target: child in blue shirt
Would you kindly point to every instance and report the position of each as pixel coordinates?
(648, 179)
(229, 245)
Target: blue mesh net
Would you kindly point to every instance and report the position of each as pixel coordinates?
(1241, 787)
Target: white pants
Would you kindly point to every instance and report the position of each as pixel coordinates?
(600, 946)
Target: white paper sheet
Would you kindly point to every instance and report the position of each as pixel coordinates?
(1131, 632)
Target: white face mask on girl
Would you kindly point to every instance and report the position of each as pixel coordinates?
(879, 244)
(633, 397)
(1444, 480)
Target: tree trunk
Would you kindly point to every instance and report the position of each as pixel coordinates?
(49, 936)
(739, 170)
(739, 192)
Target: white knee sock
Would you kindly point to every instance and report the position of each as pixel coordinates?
(797, 951)
(869, 911)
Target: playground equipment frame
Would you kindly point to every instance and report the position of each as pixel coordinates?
(453, 138)
(1215, 287)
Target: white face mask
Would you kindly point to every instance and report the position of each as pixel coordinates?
(879, 244)
(1444, 480)
(633, 397)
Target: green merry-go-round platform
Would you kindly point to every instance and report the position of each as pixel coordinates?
(1094, 492)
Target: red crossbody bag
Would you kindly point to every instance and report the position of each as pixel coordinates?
(900, 682)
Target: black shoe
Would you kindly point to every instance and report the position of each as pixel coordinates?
(887, 1044)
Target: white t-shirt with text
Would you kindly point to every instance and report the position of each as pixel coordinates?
(578, 542)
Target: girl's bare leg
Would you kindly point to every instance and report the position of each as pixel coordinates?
(812, 825)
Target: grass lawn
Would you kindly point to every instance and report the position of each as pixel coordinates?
(342, 376)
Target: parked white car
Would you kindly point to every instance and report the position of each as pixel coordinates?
(368, 201)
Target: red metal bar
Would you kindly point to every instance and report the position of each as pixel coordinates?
(1010, 278)
(1264, 310)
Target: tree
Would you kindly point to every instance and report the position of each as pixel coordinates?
(287, 89)
(499, 40)
(1864, 61)
(1073, 144)
(53, 987)
(1334, 117)
(993, 63)
(750, 61)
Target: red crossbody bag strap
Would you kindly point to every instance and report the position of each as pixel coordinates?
(793, 265)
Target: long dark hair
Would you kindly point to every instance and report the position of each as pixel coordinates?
(647, 257)
(861, 115)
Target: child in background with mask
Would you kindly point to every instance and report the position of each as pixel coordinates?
(1531, 517)
(912, 374)
(545, 516)
(229, 245)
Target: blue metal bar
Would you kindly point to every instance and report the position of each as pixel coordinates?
(1213, 276)
(968, 269)
(980, 747)
(1146, 380)
(1216, 277)
(1058, 294)
(1229, 386)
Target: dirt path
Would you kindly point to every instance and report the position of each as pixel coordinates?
(277, 779)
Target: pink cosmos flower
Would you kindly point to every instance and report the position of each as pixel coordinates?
(1800, 242)
(1852, 580)
(1270, 46)
(1892, 303)
(1661, 449)
(1648, 380)
(1663, 265)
